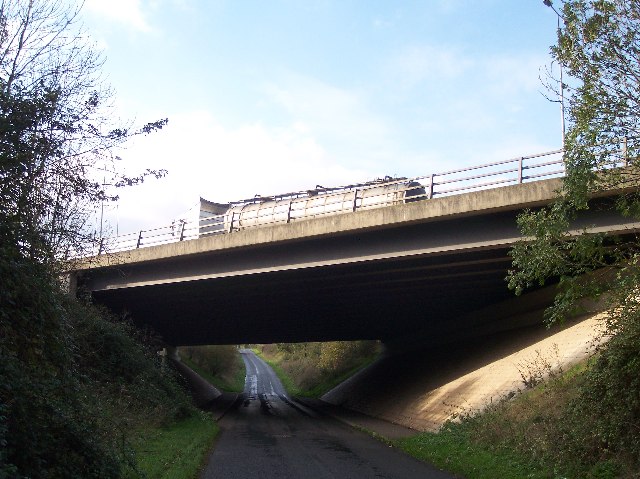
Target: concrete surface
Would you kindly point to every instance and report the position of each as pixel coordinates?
(464, 379)
(201, 390)
(514, 197)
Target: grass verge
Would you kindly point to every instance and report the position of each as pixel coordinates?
(454, 450)
(231, 382)
(528, 436)
(330, 382)
(319, 387)
(177, 451)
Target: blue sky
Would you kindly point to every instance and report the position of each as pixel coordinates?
(272, 97)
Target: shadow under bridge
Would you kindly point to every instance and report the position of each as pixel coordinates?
(415, 271)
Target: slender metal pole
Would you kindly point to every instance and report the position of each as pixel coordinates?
(183, 223)
(561, 90)
(104, 181)
(520, 169)
(549, 4)
(289, 211)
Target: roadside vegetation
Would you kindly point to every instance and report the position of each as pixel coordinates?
(569, 426)
(81, 391)
(83, 394)
(175, 451)
(586, 423)
(312, 369)
(222, 365)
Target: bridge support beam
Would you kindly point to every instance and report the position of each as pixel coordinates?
(171, 352)
(202, 392)
(70, 283)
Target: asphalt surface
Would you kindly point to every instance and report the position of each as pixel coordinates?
(268, 435)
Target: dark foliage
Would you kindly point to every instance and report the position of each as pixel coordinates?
(599, 47)
(73, 383)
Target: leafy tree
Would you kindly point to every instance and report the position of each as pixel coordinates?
(64, 369)
(55, 135)
(599, 48)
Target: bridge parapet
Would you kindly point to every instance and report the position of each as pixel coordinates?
(405, 270)
(435, 211)
(288, 208)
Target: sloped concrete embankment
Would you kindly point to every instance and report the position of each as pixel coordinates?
(202, 392)
(423, 388)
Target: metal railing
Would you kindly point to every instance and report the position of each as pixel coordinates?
(283, 208)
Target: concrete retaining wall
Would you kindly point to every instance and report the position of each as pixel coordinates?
(422, 390)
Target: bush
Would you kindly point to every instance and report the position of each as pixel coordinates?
(73, 382)
(610, 398)
(220, 365)
(50, 431)
(215, 359)
(581, 424)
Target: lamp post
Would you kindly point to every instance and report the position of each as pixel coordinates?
(104, 185)
(549, 4)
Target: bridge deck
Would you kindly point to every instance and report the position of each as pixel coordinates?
(402, 271)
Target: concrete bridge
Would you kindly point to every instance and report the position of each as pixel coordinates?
(429, 270)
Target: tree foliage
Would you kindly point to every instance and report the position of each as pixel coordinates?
(56, 139)
(599, 47)
(72, 381)
(316, 367)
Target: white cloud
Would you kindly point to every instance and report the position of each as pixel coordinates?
(127, 12)
(443, 66)
(416, 64)
(341, 119)
(514, 74)
(221, 164)
(329, 137)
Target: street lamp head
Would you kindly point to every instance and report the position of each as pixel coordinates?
(548, 3)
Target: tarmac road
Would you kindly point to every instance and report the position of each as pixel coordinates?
(267, 435)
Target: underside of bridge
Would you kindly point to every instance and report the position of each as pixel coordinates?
(409, 297)
(416, 281)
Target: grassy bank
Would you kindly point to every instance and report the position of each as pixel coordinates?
(232, 381)
(178, 451)
(455, 449)
(545, 432)
(329, 382)
(222, 366)
(312, 369)
(286, 380)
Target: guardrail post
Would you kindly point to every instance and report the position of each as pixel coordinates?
(139, 240)
(355, 199)
(431, 186)
(289, 211)
(182, 229)
(520, 160)
(233, 213)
